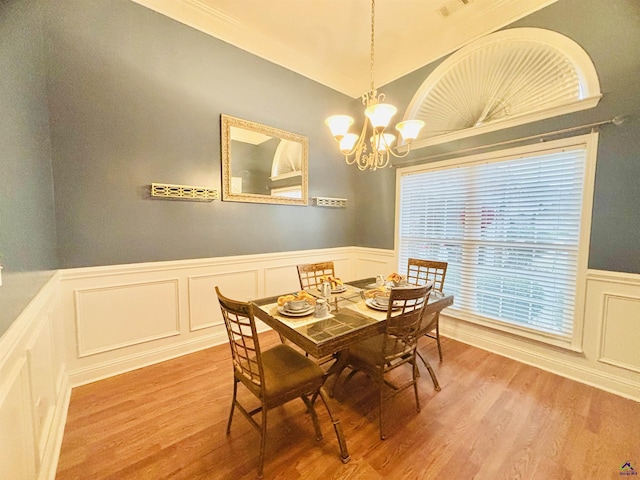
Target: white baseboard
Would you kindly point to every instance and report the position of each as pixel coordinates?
(565, 367)
(56, 433)
(123, 364)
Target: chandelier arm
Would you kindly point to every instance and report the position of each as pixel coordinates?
(384, 159)
(363, 162)
(358, 147)
(398, 155)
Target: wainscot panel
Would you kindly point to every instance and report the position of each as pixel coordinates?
(117, 316)
(615, 299)
(204, 310)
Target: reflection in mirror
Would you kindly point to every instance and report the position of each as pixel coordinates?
(262, 164)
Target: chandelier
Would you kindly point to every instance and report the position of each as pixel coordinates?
(379, 149)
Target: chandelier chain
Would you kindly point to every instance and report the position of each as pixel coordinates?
(373, 17)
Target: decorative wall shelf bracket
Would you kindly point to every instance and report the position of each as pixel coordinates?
(183, 192)
(330, 202)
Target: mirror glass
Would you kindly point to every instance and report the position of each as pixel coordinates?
(262, 164)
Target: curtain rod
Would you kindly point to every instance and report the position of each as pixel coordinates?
(618, 120)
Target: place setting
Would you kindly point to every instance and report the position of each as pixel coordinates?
(298, 305)
(336, 285)
(378, 299)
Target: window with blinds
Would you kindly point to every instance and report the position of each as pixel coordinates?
(510, 229)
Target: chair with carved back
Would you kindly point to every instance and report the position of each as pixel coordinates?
(275, 376)
(380, 355)
(311, 274)
(420, 272)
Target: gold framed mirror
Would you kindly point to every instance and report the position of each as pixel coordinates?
(263, 164)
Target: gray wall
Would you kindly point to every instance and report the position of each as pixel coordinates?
(27, 228)
(610, 33)
(136, 98)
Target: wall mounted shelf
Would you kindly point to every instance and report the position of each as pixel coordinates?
(329, 202)
(183, 192)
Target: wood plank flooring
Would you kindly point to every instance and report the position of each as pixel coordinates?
(494, 419)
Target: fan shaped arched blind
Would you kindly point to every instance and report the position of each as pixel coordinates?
(504, 79)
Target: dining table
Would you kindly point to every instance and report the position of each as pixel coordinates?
(352, 318)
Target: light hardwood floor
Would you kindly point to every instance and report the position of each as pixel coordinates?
(494, 419)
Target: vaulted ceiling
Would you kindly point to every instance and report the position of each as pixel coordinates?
(329, 40)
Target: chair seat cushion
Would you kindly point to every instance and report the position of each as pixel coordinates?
(369, 351)
(289, 374)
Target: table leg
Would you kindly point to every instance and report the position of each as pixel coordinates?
(335, 370)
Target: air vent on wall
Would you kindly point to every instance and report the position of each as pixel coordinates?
(330, 202)
(183, 192)
(451, 7)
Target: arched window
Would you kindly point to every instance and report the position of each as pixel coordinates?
(504, 79)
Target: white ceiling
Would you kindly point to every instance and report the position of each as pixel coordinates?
(328, 40)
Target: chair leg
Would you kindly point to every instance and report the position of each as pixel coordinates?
(438, 338)
(233, 405)
(380, 410)
(415, 383)
(314, 417)
(344, 453)
(431, 372)
(263, 440)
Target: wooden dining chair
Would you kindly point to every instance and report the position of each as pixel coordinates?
(275, 376)
(310, 274)
(420, 272)
(378, 356)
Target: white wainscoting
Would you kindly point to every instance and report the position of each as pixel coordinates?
(34, 392)
(123, 317)
(91, 323)
(610, 357)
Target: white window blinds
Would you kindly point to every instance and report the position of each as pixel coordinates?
(510, 230)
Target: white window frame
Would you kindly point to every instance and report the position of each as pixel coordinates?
(590, 143)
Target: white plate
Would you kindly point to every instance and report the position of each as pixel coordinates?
(296, 313)
(376, 306)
